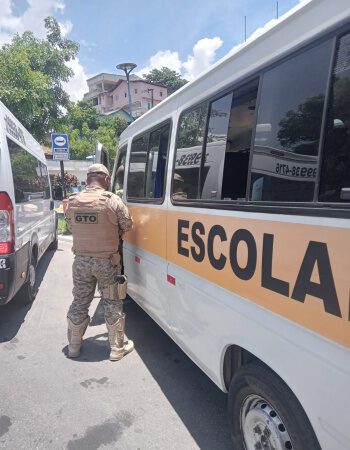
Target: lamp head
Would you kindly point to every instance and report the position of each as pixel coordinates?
(127, 67)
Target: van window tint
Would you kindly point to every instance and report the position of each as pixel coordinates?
(335, 174)
(285, 159)
(30, 177)
(189, 153)
(148, 158)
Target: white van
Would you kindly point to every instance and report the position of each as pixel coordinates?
(28, 223)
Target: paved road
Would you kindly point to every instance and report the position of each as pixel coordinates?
(155, 398)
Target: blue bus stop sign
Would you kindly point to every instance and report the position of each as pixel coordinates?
(60, 146)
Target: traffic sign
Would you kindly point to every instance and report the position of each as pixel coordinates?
(60, 146)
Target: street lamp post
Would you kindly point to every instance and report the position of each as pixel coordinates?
(127, 68)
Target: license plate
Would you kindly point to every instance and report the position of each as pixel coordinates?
(3, 263)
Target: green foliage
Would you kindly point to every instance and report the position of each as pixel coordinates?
(85, 127)
(31, 74)
(62, 227)
(167, 77)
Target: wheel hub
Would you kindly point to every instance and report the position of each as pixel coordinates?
(262, 427)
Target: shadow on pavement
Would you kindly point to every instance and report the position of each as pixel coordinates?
(13, 314)
(199, 403)
(93, 349)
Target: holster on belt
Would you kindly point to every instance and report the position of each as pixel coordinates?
(117, 290)
(122, 284)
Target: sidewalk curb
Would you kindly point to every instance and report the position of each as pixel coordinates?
(65, 238)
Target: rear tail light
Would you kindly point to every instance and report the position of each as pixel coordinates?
(6, 225)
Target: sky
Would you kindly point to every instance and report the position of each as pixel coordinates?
(184, 35)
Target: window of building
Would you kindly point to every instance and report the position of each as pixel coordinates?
(188, 156)
(161, 93)
(135, 91)
(125, 94)
(30, 177)
(94, 101)
(335, 173)
(148, 105)
(285, 158)
(148, 157)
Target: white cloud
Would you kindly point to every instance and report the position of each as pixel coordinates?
(203, 56)
(161, 59)
(77, 86)
(32, 19)
(204, 52)
(66, 27)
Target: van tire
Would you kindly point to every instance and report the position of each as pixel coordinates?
(260, 404)
(54, 244)
(29, 290)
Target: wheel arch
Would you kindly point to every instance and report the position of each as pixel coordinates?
(34, 248)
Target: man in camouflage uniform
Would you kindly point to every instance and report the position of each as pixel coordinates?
(97, 219)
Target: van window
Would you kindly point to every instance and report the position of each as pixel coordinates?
(30, 177)
(231, 121)
(148, 158)
(189, 153)
(335, 174)
(285, 158)
(118, 184)
(156, 162)
(137, 167)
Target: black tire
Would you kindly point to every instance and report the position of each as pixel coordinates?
(256, 393)
(54, 243)
(29, 290)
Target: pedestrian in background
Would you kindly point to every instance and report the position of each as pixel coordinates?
(97, 219)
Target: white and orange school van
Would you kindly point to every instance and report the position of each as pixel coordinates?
(239, 187)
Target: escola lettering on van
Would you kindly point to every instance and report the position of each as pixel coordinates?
(203, 245)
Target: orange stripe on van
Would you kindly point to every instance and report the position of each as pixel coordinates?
(285, 276)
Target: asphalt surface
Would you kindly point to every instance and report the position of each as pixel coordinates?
(155, 398)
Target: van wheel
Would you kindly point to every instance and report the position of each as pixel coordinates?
(54, 243)
(29, 289)
(265, 414)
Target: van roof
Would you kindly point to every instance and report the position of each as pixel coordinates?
(17, 132)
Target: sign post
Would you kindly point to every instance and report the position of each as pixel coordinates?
(60, 152)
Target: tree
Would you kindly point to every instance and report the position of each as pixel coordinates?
(85, 127)
(31, 74)
(167, 77)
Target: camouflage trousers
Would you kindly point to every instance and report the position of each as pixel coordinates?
(87, 272)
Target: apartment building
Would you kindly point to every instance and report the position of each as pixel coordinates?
(109, 93)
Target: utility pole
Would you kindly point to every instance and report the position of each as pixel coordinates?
(245, 28)
(277, 12)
